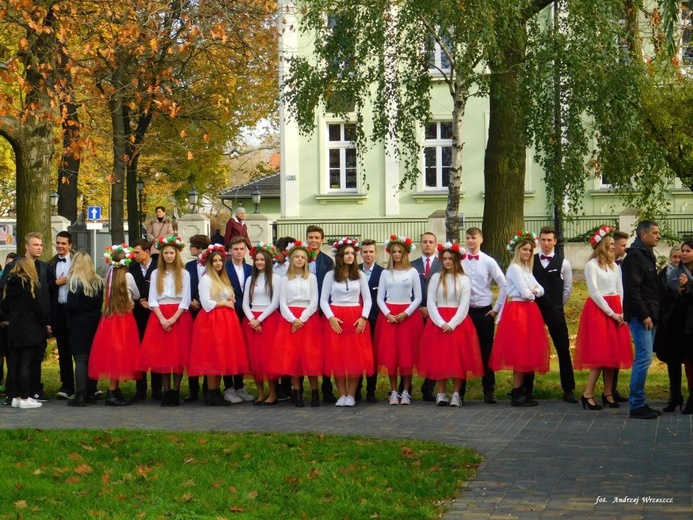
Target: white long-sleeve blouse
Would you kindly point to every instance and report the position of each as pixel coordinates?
(169, 295)
(345, 294)
(399, 287)
(299, 292)
(205, 289)
(603, 282)
(456, 298)
(261, 297)
(521, 284)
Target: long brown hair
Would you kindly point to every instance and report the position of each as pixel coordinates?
(177, 270)
(118, 300)
(457, 269)
(342, 271)
(25, 270)
(220, 281)
(405, 257)
(601, 252)
(268, 274)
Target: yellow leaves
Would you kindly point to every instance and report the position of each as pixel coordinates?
(83, 469)
(406, 452)
(252, 495)
(154, 44)
(187, 497)
(236, 509)
(21, 504)
(143, 471)
(72, 480)
(218, 33)
(183, 133)
(190, 156)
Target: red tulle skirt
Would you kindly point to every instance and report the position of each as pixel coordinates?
(397, 344)
(261, 345)
(454, 355)
(114, 349)
(298, 353)
(601, 342)
(218, 346)
(166, 352)
(348, 354)
(521, 342)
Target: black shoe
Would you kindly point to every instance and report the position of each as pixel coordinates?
(489, 398)
(587, 404)
(529, 398)
(618, 397)
(371, 398)
(139, 396)
(329, 398)
(281, 396)
(192, 398)
(674, 402)
(428, 395)
(298, 398)
(157, 395)
(90, 398)
(175, 398)
(166, 398)
(7, 401)
(214, 398)
(314, 399)
(78, 400)
(658, 412)
(687, 410)
(358, 397)
(41, 397)
(610, 404)
(520, 398)
(113, 398)
(63, 394)
(568, 397)
(644, 412)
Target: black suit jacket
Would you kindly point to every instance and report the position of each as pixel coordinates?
(142, 281)
(418, 264)
(236, 284)
(53, 291)
(373, 288)
(323, 265)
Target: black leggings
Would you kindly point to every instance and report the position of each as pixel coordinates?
(19, 363)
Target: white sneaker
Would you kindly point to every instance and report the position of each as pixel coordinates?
(15, 402)
(350, 401)
(442, 400)
(406, 398)
(25, 404)
(231, 396)
(394, 398)
(456, 401)
(341, 401)
(245, 395)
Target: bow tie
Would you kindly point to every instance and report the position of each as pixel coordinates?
(62, 259)
(473, 257)
(544, 257)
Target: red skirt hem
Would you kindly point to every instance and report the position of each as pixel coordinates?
(218, 346)
(261, 345)
(166, 352)
(298, 353)
(601, 342)
(397, 344)
(114, 350)
(348, 354)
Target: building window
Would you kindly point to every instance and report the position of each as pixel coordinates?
(438, 61)
(687, 33)
(438, 155)
(341, 157)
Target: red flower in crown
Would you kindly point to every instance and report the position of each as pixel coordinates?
(311, 254)
(405, 242)
(450, 246)
(601, 233)
(345, 241)
(211, 248)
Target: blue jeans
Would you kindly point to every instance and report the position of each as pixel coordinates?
(643, 339)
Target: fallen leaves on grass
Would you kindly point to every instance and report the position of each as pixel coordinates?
(83, 469)
(20, 504)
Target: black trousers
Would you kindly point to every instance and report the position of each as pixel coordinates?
(61, 333)
(82, 382)
(39, 354)
(558, 329)
(19, 368)
(371, 381)
(485, 327)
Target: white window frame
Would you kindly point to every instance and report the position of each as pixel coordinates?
(439, 144)
(686, 20)
(342, 146)
(435, 65)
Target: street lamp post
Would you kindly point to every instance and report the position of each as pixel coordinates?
(192, 199)
(140, 189)
(256, 195)
(54, 198)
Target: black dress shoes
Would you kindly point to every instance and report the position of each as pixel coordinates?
(569, 397)
(644, 412)
(619, 398)
(428, 395)
(489, 398)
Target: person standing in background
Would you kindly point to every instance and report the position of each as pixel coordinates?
(159, 226)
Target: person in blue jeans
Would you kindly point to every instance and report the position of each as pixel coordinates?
(641, 303)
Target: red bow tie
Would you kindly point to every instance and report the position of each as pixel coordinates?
(544, 257)
(473, 257)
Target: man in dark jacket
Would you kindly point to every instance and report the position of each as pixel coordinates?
(641, 302)
(59, 266)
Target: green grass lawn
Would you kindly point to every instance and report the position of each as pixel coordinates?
(138, 474)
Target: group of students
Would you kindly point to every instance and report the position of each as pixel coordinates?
(296, 313)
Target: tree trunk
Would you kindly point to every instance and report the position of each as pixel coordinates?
(506, 150)
(119, 168)
(133, 152)
(68, 170)
(452, 211)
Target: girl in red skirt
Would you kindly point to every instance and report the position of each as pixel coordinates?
(450, 347)
(166, 343)
(521, 342)
(399, 327)
(116, 342)
(603, 339)
(260, 304)
(218, 346)
(298, 336)
(346, 302)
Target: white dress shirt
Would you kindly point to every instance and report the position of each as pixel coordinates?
(399, 287)
(603, 282)
(205, 289)
(348, 293)
(169, 295)
(457, 297)
(261, 297)
(299, 292)
(481, 273)
(61, 269)
(566, 274)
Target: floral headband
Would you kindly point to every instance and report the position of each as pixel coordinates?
(212, 248)
(405, 242)
(601, 233)
(519, 237)
(173, 240)
(298, 245)
(345, 241)
(121, 248)
(269, 249)
(454, 248)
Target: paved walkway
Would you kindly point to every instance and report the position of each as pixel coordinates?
(551, 461)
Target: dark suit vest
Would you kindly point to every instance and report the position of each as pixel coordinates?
(550, 279)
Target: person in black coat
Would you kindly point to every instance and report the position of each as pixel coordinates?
(3, 334)
(198, 243)
(372, 271)
(141, 270)
(27, 331)
(83, 310)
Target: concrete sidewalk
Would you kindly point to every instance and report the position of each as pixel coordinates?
(554, 460)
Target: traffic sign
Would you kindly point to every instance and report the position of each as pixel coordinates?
(94, 213)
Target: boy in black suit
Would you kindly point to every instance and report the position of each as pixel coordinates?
(372, 272)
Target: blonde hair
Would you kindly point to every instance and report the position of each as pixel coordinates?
(177, 270)
(601, 252)
(405, 257)
(118, 300)
(293, 272)
(83, 274)
(25, 270)
(220, 281)
(516, 256)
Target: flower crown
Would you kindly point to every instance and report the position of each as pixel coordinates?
(119, 248)
(519, 237)
(345, 241)
(211, 248)
(449, 246)
(269, 249)
(293, 246)
(173, 240)
(405, 242)
(601, 233)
